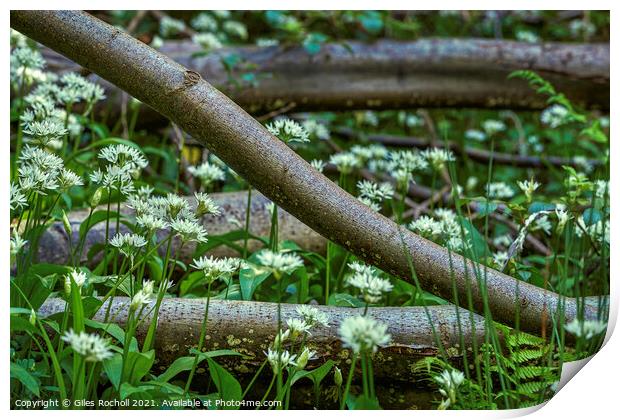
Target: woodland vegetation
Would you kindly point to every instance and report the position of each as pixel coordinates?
(306, 209)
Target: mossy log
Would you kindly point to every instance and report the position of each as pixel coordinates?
(55, 247)
(250, 327)
(269, 165)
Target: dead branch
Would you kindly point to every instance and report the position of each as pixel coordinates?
(249, 328)
(391, 74)
(54, 246)
(279, 173)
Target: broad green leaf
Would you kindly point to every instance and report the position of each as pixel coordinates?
(227, 386)
(26, 378)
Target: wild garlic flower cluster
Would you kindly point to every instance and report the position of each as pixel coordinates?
(208, 41)
(402, 164)
(372, 194)
(215, 268)
(492, 127)
(363, 334)
(143, 297)
(476, 135)
(586, 329)
(208, 173)
(555, 116)
(598, 231)
(169, 26)
(279, 358)
(372, 287)
(91, 346)
(122, 165)
(128, 244)
(75, 276)
(174, 212)
(527, 36)
(449, 381)
(409, 120)
(288, 131)
(437, 158)
(345, 162)
(279, 262)
(16, 245)
(528, 188)
(318, 165)
(316, 129)
(26, 66)
(499, 190)
(41, 172)
(312, 316)
(444, 228)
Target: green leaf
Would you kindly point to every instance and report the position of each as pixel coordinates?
(95, 218)
(25, 377)
(249, 280)
(139, 364)
(591, 216)
(185, 363)
(227, 386)
(346, 300)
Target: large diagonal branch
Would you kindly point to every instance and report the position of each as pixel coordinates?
(275, 170)
(391, 74)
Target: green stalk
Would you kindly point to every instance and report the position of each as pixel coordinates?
(201, 339)
(247, 223)
(348, 385)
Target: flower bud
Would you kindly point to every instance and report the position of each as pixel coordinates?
(67, 224)
(33, 317)
(337, 376)
(96, 198)
(302, 361)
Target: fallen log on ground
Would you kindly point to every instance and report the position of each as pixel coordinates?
(278, 172)
(249, 328)
(391, 74)
(55, 246)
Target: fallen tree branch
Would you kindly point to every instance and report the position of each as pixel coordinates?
(391, 74)
(249, 328)
(478, 155)
(275, 170)
(54, 246)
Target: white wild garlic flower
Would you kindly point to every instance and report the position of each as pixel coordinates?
(475, 135)
(493, 126)
(499, 190)
(316, 129)
(288, 131)
(312, 316)
(362, 334)
(528, 188)
(91, 346)
(143, 296)
(586, 329)
(318, 165)
(554, 116)
(297, 327)
(280, 262)
(438, 158)
(371, 287)
(345, 162)
(128, 244)
(280, 360)
(214, 268)
(208, 173)
(207, 41)
(375, 192)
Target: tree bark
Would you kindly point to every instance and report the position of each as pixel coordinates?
(274, 169)
(391, 74)
(250, 327)
(55, 247)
